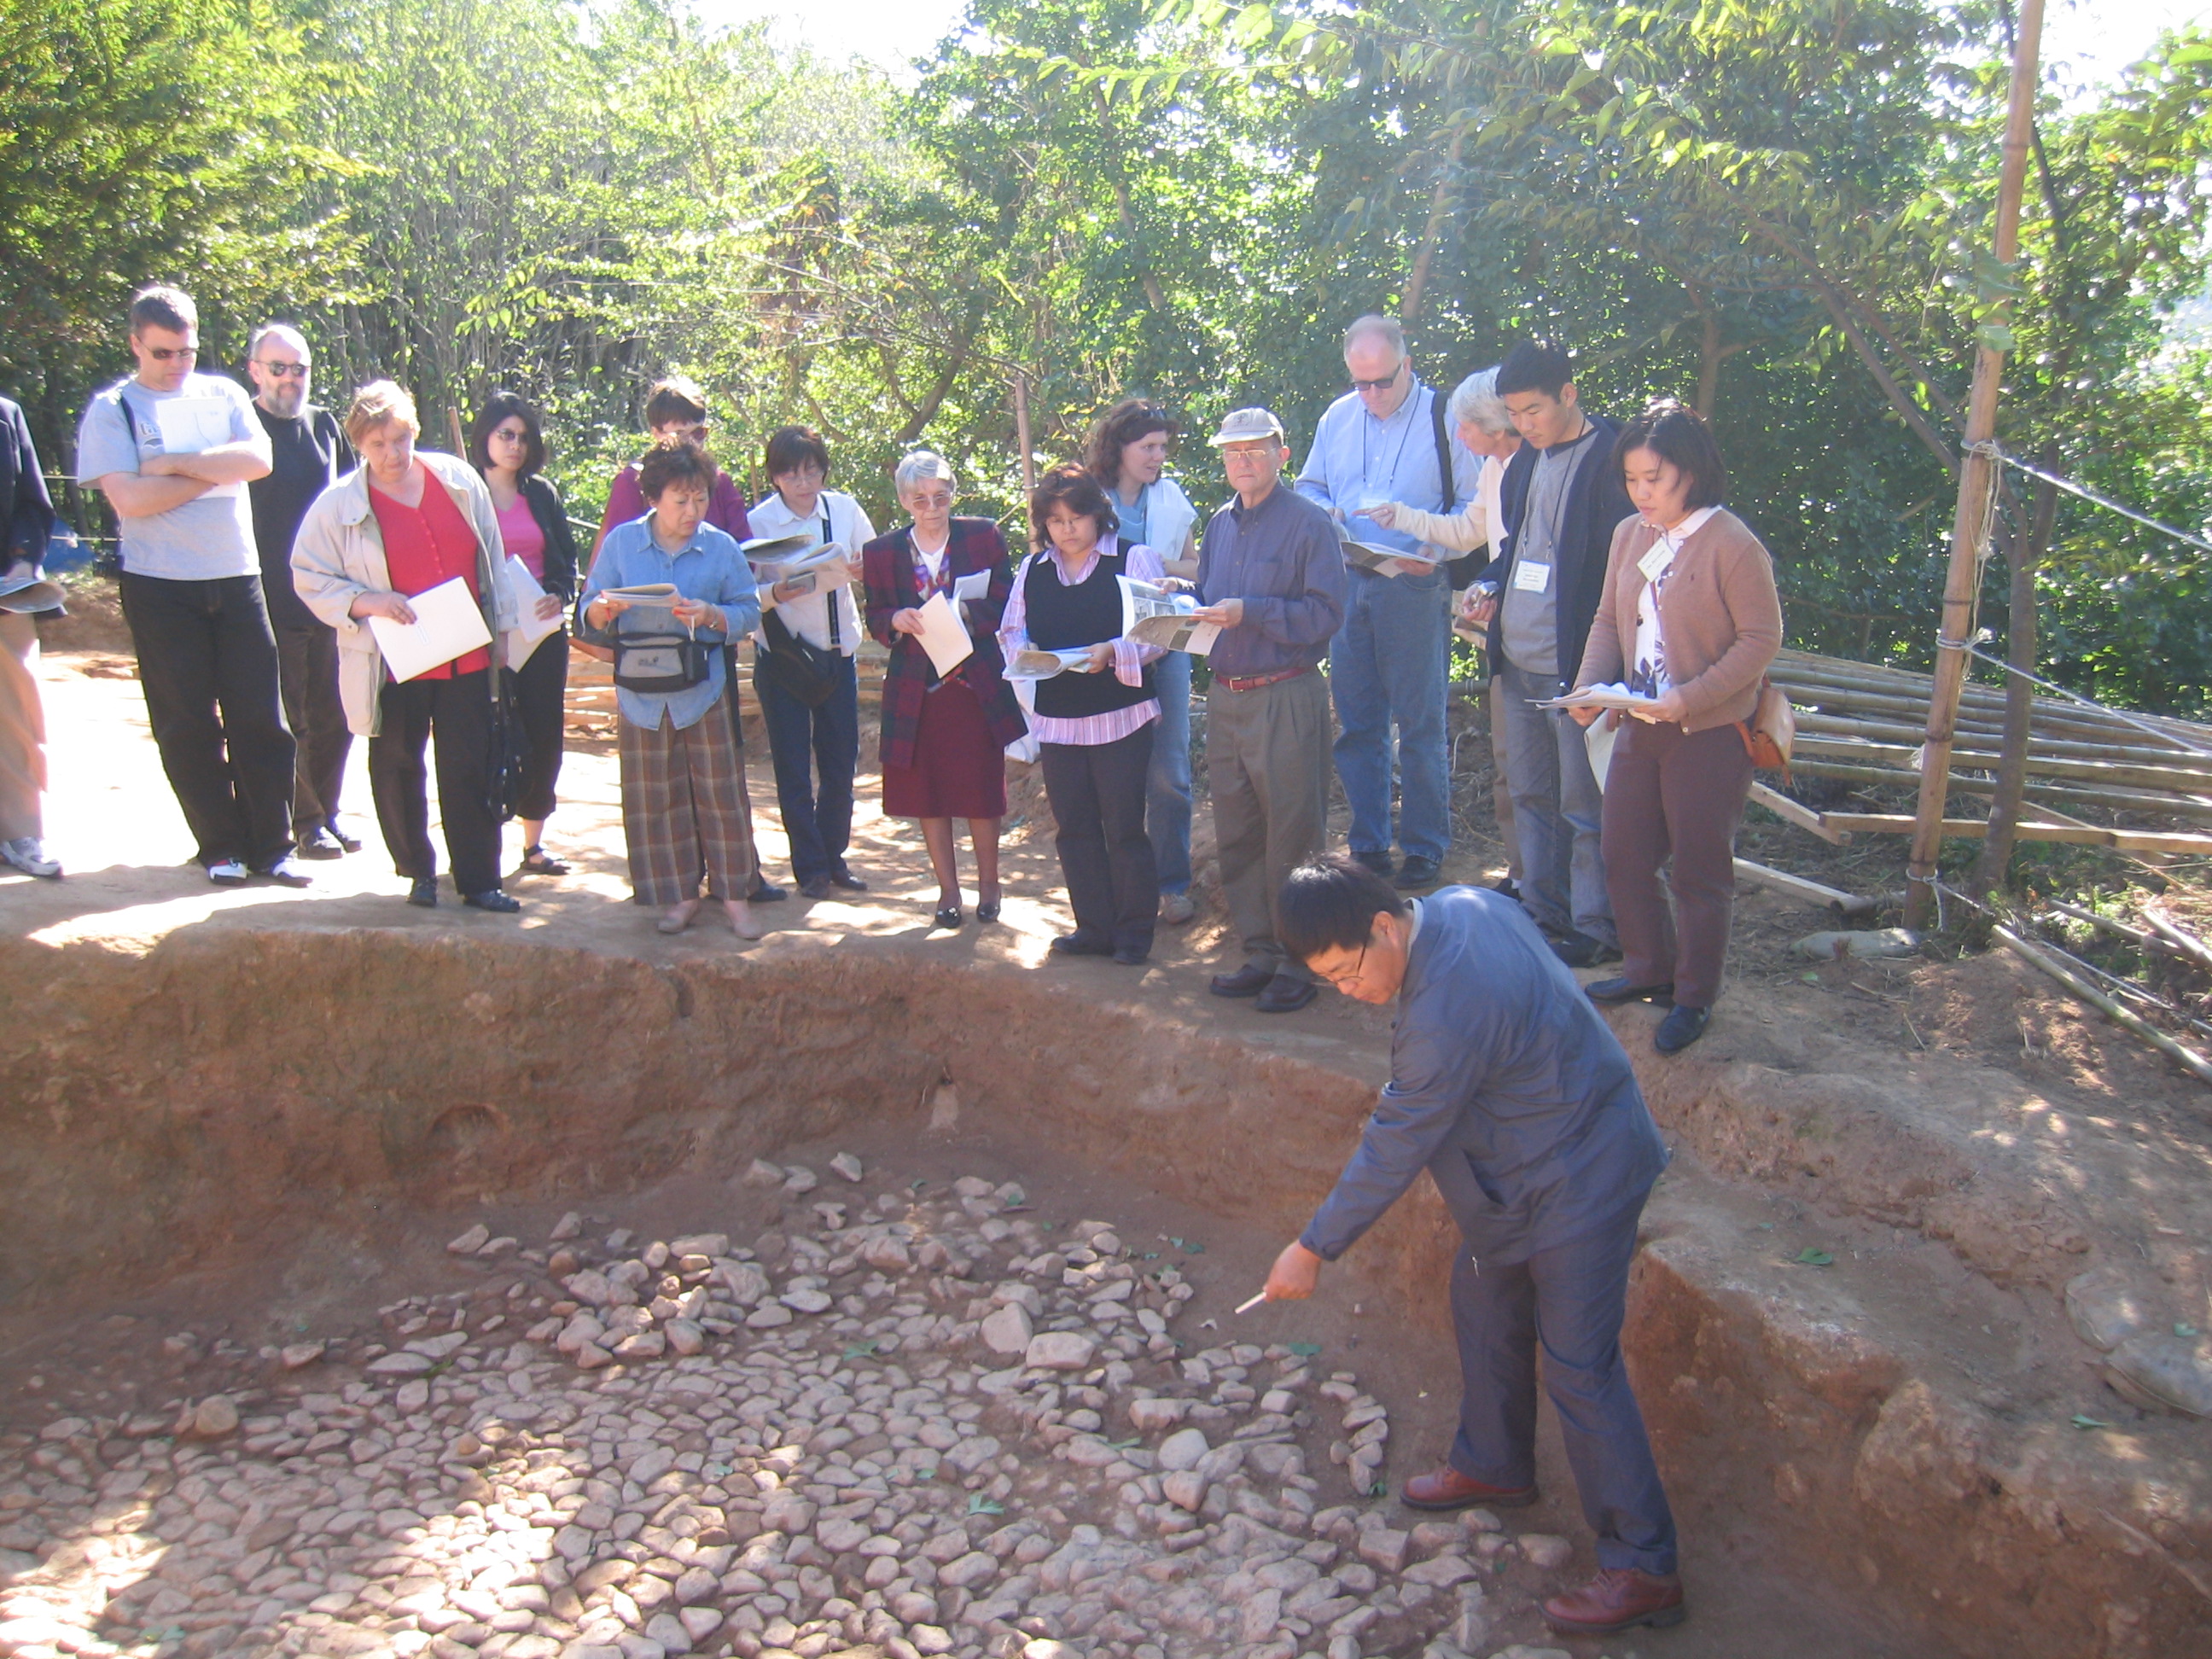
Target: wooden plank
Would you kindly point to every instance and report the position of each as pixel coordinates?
(1812, 892)
(1798, 813)
(2078, 834)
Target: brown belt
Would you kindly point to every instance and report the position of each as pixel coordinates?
(1258, 680)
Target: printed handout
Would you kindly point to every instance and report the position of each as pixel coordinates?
(192, 426)
(1035, 665)
(524, 639)
(447, 624)
(1153, 616)
(944, 636)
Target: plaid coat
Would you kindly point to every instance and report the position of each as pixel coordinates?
(892, 579)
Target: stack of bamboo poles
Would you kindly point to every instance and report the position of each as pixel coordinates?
(1865, 724)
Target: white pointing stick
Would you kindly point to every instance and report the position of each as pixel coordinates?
(1246, 1307)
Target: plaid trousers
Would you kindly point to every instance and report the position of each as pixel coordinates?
(685, 809)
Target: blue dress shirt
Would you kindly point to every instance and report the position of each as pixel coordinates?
(710, 567)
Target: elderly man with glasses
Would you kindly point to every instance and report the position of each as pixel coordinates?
(1385, 441)
(172, 451)
(308, 454)
(1271, 577)
(1508, 1087)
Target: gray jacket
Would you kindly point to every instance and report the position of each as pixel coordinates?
(339, 555)
(1507, 1085)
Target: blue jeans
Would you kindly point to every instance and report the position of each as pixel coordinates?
(1387, 666)
(803, 742)
(1167, 785)
(1572, 1298)
(1557, 809)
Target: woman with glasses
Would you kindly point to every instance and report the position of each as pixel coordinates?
(944, 736)
(507, 443)
(1127, 452)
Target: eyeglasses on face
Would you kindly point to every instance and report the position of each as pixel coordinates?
(1382, 385)
(171, 354)
(282, 371)
(513, 435)
(1340, 981)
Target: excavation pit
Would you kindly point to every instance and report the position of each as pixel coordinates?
(238, 1421)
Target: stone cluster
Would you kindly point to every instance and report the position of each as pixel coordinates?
(915, 1426)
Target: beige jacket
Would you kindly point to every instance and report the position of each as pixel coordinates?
(338, 556)
(1719, 612)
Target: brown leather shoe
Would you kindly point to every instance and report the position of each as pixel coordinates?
(1447, 1489)
(1618, 1599)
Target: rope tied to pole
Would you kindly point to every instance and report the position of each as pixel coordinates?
(1996, 453)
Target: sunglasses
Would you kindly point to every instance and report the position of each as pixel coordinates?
(1382, 385)
(170, 354)
(282, 371)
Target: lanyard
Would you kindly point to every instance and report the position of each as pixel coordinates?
(834, 606)
(1405, 409)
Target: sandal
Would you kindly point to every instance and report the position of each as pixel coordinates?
(537, 862)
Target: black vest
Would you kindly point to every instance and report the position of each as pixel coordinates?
(1061, 617)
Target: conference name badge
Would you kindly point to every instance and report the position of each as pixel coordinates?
(1529, 578)
(1655, 560)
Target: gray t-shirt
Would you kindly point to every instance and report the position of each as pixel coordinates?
(206, 539)
(1529, 625)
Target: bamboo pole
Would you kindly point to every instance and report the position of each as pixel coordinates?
(2190, 1060)
(2111, 800)
(2076, 834)
(1782, 881)
(1823, 745)
(1813, 720)
(1798, 813)
(2188, 944)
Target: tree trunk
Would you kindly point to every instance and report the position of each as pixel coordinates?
(1709, 362)
(2027, 552)
(1409, 307)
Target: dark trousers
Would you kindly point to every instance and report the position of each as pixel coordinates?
(541, 693)
(456, 715)
(207, 661)
(1674, 794)
(309, 660)
(806, 743)
(1098, 796)
(1571, 1298)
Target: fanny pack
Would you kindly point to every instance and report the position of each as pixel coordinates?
(661, 662)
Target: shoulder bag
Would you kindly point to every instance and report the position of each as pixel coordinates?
(1771, 731)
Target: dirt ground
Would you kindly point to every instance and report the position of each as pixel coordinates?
(1952, 1133)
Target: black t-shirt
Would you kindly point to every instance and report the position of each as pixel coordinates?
(309, 453)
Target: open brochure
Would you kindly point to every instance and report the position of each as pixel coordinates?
(1153, 616)
(794, 559)
(447, 624)
(1383, 560)
(944, 636)
(1602, 696)
(524, 638)
(1039, 665)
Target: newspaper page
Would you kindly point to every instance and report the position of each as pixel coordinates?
(1383, 560)
(1039, 664)
(1153, 616)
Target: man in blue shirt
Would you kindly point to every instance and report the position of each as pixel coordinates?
(1386, 441)
(1510, 1090)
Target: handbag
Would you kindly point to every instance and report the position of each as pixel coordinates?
(662, 662)
(510, 747)
(1771, 731)
(795, 666)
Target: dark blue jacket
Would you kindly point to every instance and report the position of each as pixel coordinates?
(1596, 503)
(1506, 1086)
(28, 510)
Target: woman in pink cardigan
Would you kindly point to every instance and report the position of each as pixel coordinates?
(1689, 618)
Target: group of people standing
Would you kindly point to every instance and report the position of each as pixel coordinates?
(263, 535)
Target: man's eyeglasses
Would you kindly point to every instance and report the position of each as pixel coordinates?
(170, 354)
(282, 371)
(1340, 981)
(1382, 385)
(698, 434)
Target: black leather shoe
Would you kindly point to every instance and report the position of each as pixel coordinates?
(987, 909)
(1286, 995)
(1620, 990)
(493, 900)
(848, 880)
(768, 893)
(1681, 1028)
(316, 842)
(814, 887)
(1081, 944)
(423, 890)
(1247, 982)
(351, 843)
(1508, 886)
(947, 915)
(1417, 872)
(1380, 863)
(1132, 956)
(1581, 950)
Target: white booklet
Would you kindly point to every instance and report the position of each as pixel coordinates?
(1153, 616)
(526, 592)
(447, 624)
(1036, 664)
(1383, 560)
(192, 426)
(796, 559)
(975, 584)
(944, 636)
(1600, 696)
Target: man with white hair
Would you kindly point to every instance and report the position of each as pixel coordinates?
(1383, 441)
(308, 454)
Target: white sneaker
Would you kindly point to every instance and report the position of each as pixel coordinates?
(227, 873)
(1176, 909)
(29, 853)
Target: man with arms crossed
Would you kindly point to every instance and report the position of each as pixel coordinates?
(172, 451)
(1510, 1090)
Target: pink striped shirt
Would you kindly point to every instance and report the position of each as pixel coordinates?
(1129, 657)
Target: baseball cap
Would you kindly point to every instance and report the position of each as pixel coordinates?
(1243, 426)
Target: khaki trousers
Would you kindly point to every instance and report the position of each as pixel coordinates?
(22, 730)
(1267, 759)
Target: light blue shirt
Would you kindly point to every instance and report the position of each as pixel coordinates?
(1358, 461)
(710, 567)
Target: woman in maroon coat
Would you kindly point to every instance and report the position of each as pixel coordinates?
(944, 739)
